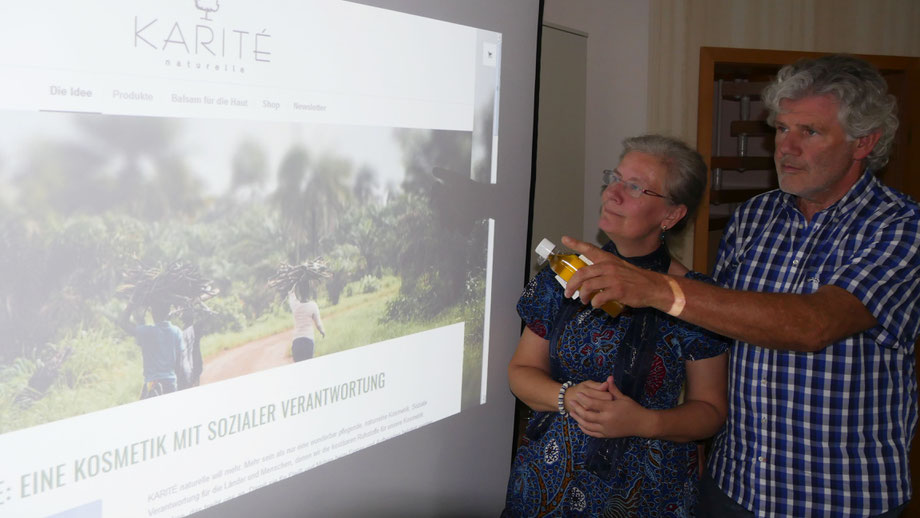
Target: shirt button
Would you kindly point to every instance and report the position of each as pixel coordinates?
(763, 382)
(760, 459)
(795, 262)
(763, 419)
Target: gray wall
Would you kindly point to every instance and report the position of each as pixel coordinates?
(617, 83)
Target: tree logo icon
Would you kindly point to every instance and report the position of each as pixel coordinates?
(208, 6)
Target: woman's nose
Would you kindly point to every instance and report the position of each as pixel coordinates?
(614, 191)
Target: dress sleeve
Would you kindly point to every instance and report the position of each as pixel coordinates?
(540, 302)
(699, 343)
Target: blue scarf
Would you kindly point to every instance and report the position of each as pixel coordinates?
(634, 358)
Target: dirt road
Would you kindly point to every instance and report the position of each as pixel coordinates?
(275, 350)
(265, 353)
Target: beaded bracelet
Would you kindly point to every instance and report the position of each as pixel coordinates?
(560, 401)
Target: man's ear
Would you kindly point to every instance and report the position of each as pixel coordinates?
(865, 145)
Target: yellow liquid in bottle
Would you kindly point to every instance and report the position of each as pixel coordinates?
(566, 264)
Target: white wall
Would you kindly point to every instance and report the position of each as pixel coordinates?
(617, 82)
(560, 167)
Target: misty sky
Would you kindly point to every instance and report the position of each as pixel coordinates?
(208, 145)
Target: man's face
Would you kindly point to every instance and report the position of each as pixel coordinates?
(814, 158)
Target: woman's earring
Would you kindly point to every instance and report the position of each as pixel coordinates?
(664, 229)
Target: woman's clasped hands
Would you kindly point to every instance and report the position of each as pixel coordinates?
(601, 410)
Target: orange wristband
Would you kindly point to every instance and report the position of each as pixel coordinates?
(677, 307)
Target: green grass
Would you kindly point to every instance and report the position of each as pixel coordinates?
(105, 368)
(355, 321)
(102, 372)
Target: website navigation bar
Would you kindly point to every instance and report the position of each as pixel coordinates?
(65, 91)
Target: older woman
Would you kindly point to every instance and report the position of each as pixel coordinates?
(610, 435)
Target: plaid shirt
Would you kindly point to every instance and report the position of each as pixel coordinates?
(825, 433)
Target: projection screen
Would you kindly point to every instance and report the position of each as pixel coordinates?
(261, 258)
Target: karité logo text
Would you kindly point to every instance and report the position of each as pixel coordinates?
(202, 43)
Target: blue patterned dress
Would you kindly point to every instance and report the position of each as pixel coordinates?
(551, 474)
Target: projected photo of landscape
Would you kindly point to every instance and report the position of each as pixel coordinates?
(102, 216)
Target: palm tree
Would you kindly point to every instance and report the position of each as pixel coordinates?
(292, 179)
(326, 198)
(365, 186)
(423, 150)
(112, 162)
(250, 168)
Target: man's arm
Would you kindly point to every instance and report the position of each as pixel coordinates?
(125, 320)
(318, 320)
(795, 322)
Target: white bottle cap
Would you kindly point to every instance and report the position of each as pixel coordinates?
(545, 248)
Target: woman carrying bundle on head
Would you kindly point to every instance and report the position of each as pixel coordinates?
(297, 282)
(306, 318)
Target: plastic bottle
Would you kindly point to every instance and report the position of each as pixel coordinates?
(565, 263)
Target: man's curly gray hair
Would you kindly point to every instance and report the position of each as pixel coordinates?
(865, 104)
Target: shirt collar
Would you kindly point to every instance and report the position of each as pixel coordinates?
(851, 199)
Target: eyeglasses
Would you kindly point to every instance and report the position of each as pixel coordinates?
(611, 176)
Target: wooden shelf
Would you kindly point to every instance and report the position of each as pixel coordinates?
(751, 129)
(743, 163)
(718, 222)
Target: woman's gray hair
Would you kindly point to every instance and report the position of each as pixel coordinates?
(865, 104)
(685, 180)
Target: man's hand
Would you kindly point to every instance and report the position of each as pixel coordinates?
(611, 278)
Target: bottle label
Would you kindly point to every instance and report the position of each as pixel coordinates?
(563, 284)
(562, 281)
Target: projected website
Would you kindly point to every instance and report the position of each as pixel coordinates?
(238, 241)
